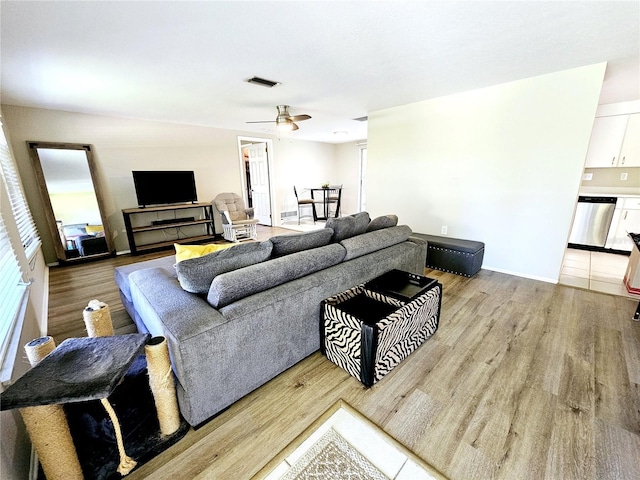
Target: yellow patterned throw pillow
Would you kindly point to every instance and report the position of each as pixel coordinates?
(94, 229)
(185, 252)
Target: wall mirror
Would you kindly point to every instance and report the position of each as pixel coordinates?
(72, 200)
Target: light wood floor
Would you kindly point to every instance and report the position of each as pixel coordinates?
(523, 380)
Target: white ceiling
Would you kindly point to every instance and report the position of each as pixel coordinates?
(186, 62)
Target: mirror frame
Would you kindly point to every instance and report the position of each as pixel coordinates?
(46, 201)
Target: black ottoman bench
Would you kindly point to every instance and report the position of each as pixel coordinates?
(453, 255)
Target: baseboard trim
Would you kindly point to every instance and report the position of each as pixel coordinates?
(34, 465)
(522, 275)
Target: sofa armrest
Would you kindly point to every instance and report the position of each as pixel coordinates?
(417, 240)
(424, 247)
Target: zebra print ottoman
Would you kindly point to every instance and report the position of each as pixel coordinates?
(368, 333)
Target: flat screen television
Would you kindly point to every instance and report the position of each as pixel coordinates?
(164, 187)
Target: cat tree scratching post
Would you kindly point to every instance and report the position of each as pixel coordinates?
(162, 385)
(47, 426)
(97, 319)
(79, 369)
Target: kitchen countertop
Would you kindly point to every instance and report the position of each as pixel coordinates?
(610, 191)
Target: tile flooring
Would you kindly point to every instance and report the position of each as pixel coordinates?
(597, 271)
(392, 459)
(304, 226)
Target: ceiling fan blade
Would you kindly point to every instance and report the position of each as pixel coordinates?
(284, 119)
(299, 118)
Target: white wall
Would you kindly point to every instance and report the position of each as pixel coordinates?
(501, 165)
(303, 164)
(122, 145)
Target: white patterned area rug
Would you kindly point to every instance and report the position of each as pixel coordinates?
(332, 457)
(344, 445)
(303, 227)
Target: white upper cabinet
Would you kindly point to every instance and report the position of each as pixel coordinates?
(606, 141)
(630, 152)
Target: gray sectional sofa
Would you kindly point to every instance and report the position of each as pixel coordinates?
(236, 318)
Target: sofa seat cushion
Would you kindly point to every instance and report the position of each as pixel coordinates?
(196, 274)
(122, 273)
(231, 286)
(376, 240)
(297, 242)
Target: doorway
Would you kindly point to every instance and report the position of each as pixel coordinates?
(255, 168)
(362, 197)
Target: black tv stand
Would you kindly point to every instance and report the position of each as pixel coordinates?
(137, 223)
(171, 221)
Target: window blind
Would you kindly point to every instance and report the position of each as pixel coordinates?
(21, 213)
(12, 288)
(19, 243)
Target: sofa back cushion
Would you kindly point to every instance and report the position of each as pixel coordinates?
(384, 221)
(297, 242)
(349, 226)
(362, 221)
(376, 240)
(196, 274)
(232, 286)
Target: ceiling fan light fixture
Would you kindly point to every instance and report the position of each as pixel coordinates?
(283, 114)
(284, 125)
(284, 121)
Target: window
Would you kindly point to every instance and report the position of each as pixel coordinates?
(12, 288)
(19, 243)
(363, 179)
(24, 221)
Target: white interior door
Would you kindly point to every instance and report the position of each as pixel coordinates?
(259, 178)
(363, 181)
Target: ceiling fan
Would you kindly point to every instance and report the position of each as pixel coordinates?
(284, 121)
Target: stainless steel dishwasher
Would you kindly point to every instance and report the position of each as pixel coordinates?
(592, 221)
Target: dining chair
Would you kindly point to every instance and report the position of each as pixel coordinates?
(302, 203)
(334, 199)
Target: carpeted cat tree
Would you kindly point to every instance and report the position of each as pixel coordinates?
(76, 437)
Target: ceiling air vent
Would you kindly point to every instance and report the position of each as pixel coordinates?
(262, 81)
(361, 119)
